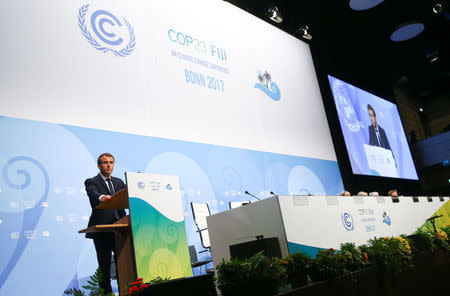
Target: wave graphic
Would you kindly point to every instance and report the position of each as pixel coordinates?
(273, 93)
(160, 244)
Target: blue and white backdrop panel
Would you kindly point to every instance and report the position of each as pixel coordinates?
(166, 87)
(43, 202)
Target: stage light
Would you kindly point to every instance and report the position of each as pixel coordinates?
(438, 7)
(432, 55)
(363, 4)
(421, 109)
(274, 14)
(407, 31)
(304, 32)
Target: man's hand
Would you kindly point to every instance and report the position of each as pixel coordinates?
(105, 198)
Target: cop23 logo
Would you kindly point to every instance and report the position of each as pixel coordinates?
(106, 37)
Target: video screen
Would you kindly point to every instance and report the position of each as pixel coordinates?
(373, 133)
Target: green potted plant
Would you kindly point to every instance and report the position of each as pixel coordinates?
(258, 275)
(389, 254)
(297, 265)
(93, 287)
(328, 264)
(232, 276)
(422, 240)
(353, 258)
(266, 275)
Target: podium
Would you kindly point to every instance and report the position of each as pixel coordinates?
(151, 242)
(126, 263)
(381, 161)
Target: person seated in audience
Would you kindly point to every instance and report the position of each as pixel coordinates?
(393, 192)
(374, 193)
(362, 193)
(345, 193)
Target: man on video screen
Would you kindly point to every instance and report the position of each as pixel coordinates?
(377, 135)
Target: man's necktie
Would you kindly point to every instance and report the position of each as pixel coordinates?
(110, 185)
(377, 132)
(111, 191)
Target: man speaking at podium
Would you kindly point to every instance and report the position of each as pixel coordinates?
(100, 189)
(377, 135)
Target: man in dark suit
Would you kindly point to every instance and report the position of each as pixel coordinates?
(100, 189)
(377, 135)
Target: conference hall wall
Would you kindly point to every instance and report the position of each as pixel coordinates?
(197, 89)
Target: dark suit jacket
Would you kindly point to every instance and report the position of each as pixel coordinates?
(95, 187)
(373, 141)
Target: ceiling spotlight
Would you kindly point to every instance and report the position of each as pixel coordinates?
(432, 55)
(407, 31)
(304, 32)
(363, 4)
(438, 7)
(274, 14)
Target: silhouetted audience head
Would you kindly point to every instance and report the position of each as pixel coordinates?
(393, 192)
(374, 193)
(362, 193)
(345, 193)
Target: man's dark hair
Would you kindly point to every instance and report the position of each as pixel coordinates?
(104, 154)
(369, 107)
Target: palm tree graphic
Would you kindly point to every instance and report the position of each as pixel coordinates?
(260, 78)
(265, 78)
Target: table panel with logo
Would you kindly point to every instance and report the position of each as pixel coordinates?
(310, 223)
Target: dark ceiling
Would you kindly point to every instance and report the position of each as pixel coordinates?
(355, 46)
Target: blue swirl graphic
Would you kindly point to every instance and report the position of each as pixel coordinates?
(347, 221)
(102, 13)
(32, 215)
(273, 93)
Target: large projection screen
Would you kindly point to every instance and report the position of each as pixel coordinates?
(197, 89)
(373, 133)
(192, 75)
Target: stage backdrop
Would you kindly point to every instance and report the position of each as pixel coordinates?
(196, 89)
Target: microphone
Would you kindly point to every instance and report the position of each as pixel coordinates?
(271, 192)
(246, 192)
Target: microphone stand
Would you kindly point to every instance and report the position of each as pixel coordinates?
(432, 221)
(248, 193)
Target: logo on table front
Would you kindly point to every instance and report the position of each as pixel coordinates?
(141, 185)
(347, 221)
(105, 32)
(386, 219)
(169, 187)
(14, 235)
(267, 86)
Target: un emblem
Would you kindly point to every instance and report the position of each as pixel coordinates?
(141, 185)
(345, 107)
(347, 221)
(105, 32)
